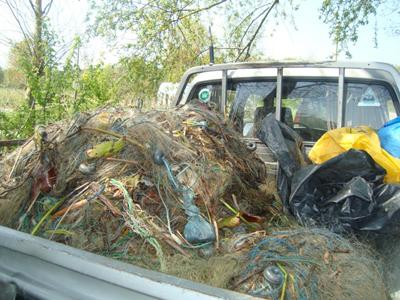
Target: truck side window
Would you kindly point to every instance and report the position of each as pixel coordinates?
(213, 90)
(309, 107)
(368, 104)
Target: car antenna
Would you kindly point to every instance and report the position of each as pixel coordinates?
(211, 48)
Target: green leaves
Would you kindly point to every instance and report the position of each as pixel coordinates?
(345, 17)
(174, 34)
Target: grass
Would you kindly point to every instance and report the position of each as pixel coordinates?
(10, 98)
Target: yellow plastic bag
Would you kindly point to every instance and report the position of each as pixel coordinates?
(337, 141)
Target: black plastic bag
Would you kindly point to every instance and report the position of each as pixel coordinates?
(287, 147)
(386, 216)
(345, 193)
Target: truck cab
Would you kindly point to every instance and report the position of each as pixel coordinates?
(311, 98)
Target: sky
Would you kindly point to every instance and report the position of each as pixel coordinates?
(311, 38)
(305, 39)
(68, 19)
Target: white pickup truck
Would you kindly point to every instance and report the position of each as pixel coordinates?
(309, 97)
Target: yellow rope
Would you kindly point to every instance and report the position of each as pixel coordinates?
(283, 291)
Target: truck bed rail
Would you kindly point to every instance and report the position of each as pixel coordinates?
(43, 269)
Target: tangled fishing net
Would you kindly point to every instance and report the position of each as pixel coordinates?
(103, 177)
(310, 264)
(176, 191)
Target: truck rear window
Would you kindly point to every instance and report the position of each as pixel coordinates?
(247, 103)
(310, 107)
(368, 104)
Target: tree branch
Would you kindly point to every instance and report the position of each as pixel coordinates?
(32, 5)
(196, 11)
(24, 33)
(251, 24)
(8, 143)
(248, 16)
(248, 46)
(47, 7)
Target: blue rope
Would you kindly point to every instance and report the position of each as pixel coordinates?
(275, 249)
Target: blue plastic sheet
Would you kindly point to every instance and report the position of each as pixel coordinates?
(389, 136)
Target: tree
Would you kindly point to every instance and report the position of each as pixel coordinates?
(136, 85)
(158, 26)
(13, 75)
(346, 17)
(1, 76)
(168, 37)
(151, 22)
(14, 78)
(35, 55)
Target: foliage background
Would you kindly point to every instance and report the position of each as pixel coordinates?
(45, 81)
